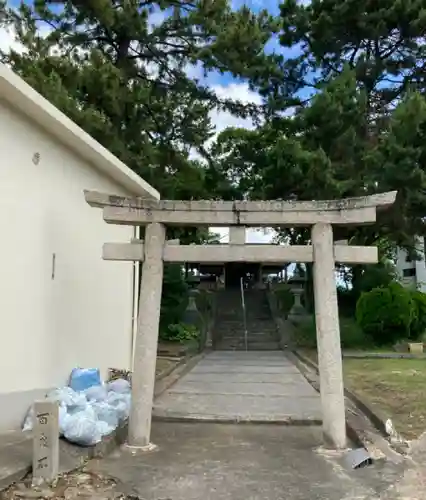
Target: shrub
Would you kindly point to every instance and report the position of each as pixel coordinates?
(385, 313)
(418, 324)
(285, 298)
(180, 332)
(366, 279)
(351, 335)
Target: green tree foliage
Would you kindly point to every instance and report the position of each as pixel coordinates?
(174, 298)
(347, 118)
(125, 80)
(386, 313)
(343, 113)
(121, 70)
(323, 152)
(363, 279)
(382, 42)
(378, 275)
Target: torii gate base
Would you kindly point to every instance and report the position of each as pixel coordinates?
(323, 253)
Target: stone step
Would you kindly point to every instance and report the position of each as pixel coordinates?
(241, 331)
(252, 316)
(252, 325)
(253, 345)
(271, 346)
(250, 335)
(254, 335)
(249, 323)
(241, 340)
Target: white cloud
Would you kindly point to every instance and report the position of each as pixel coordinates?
(235, 91)
(8, 40)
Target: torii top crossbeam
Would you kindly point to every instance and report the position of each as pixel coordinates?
(139, 211)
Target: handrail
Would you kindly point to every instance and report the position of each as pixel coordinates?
(243, 304)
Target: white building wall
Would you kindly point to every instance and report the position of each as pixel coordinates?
(412, 273)
(61, 305)
(420, 265)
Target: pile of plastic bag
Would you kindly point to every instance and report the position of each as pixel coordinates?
(88, 408)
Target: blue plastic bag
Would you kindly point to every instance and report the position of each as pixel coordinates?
(67, 396)
(106, 413)
(82, 428)
(96, 393)
(120, 386)
(121, 404)
(83, 378)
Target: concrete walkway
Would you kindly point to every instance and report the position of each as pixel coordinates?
(254, 386)
(202, 461)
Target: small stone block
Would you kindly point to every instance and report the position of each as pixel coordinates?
(45, 441)
(358, 458)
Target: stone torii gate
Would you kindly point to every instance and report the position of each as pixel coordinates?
(319, 215)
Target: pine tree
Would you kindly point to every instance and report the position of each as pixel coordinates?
(125, 80)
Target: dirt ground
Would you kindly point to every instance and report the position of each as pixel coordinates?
(78, 485)
(164, 365)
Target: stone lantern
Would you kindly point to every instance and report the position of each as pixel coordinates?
(192, 315)
(297, 283)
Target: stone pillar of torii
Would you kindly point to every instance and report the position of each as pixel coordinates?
(323, 252)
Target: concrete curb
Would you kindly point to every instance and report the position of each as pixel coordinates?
(352, 431)
(73, 456)
(169, 379)
(16, 467)
(378, 421)
(203, 419)
(379, 355)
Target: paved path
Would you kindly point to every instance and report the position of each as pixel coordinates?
(251, 386)
(202, 461)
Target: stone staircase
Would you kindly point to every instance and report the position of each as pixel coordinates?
(228, 335)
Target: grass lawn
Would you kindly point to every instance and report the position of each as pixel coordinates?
(396, 387)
